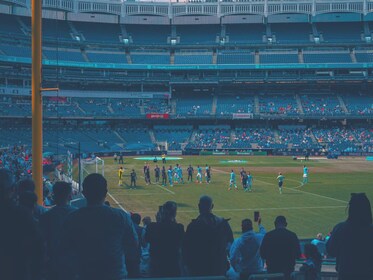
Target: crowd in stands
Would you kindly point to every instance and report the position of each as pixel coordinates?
(252, 138)
(321, 105)
(211, 138)
(97, 241)
(18, 159)
(278, 104)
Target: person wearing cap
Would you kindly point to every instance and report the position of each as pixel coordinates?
(280, 248)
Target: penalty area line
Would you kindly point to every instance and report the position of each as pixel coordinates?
(160, 186)
(117, 202)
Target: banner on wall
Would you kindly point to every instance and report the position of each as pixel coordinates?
(157, 116)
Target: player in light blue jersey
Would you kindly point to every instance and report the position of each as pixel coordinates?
(180, 174)
(249, 182)
(232, 181)
(305, 175)
(176, 174)
(199, 174)
(170, 176)
(280, 179)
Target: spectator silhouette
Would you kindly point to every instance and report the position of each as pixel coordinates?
(21, 245)
(351, 242)
(312, 266)
(165, 238)
(280, 248)
(207, 240)
(136, 219)
(52, 221)
(244, 254)
(97, 238)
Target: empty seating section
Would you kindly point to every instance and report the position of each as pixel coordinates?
(359, 104)
(102, 57)
(297, 138)
(125, 107)
(62, 107)
(15, 107)
(156, 106)
(278, 104)
(331, 31)
(364, 56)
(228, 105)
(53, 30)
(291, 32)
(194, 106)
(326, 57)
(235, 57)
(266, 57)
(198, 34)
(94, 106)
(211, 137)
(148, 34)
(247, 138)
(150, 58)
(64, 55)
(137, 138)
(245, 33)
(98, 32)
(193, 58)
(327, 105)
(19, 51)
(173, 134)
(9, 25)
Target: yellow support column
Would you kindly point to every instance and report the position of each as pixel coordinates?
(37, 102)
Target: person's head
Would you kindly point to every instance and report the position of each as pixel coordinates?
(133, 170)
(359, 210)
(7, 182)
(190, 165)
(280, 222)
(205, 204)
(146, 221)
(28, 200)
(232, 171)
(304, 166)
(310, 251)
(169, 211)
(136, 218)
(62, 192)
(248, 172)
(107, 203)
(279, 173)
(121, 167)
(246, 225)
(95, 188)
(26, 185)
(319, 236)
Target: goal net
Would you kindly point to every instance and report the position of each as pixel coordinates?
(91, 165)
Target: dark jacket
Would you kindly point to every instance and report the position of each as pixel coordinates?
(206, 244)
(352, 245)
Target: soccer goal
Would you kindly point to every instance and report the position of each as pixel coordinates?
(91, 165)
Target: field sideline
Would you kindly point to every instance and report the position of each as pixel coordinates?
(315, 207)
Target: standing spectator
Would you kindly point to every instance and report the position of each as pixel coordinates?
(136, 219)
(312, 267)
(21, 253)
(51, 223)
(351, 242)
(98, 238)
(280, 248)
(207, 240)
(165, 238)
(244, 254)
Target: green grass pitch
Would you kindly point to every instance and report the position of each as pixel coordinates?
(315, 207)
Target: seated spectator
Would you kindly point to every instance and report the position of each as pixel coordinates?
(207, 240)
(51, 222)
(244, 254)
(28, 201)
(351, 242)
(21, 253)
(98, 238)
(165, 238)
(312, 266)
(280, 248)
(319, 242)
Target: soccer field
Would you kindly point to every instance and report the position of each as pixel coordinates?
(315, 207)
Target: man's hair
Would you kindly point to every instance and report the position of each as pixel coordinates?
(169, 210)
(205, 204)
(136, 218)
(319, 236)
(61, 191)
(280, 221)
(7, 181)
(94, 188)
(359, 211)
(26, 185)
(28, 200)
(146, 220)
(246, 225)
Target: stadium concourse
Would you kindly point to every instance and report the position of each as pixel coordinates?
(190, 78)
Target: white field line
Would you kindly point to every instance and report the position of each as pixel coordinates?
(160, 186)
(293, 189)
(117, 202)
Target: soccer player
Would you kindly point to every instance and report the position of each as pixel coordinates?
(208, 175)
(120, 159)
(133, 179)
(170, 176)
(232, 181)
(280, 179)
(243, 178)
(176, 174)
(147, 175)
(190, 173)
(199, 174)
(180, 174)
(157, 172)
(164, 176)
(305, 175)
(115, 157)
(249, 181)
(164, 158)
(120, 176)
